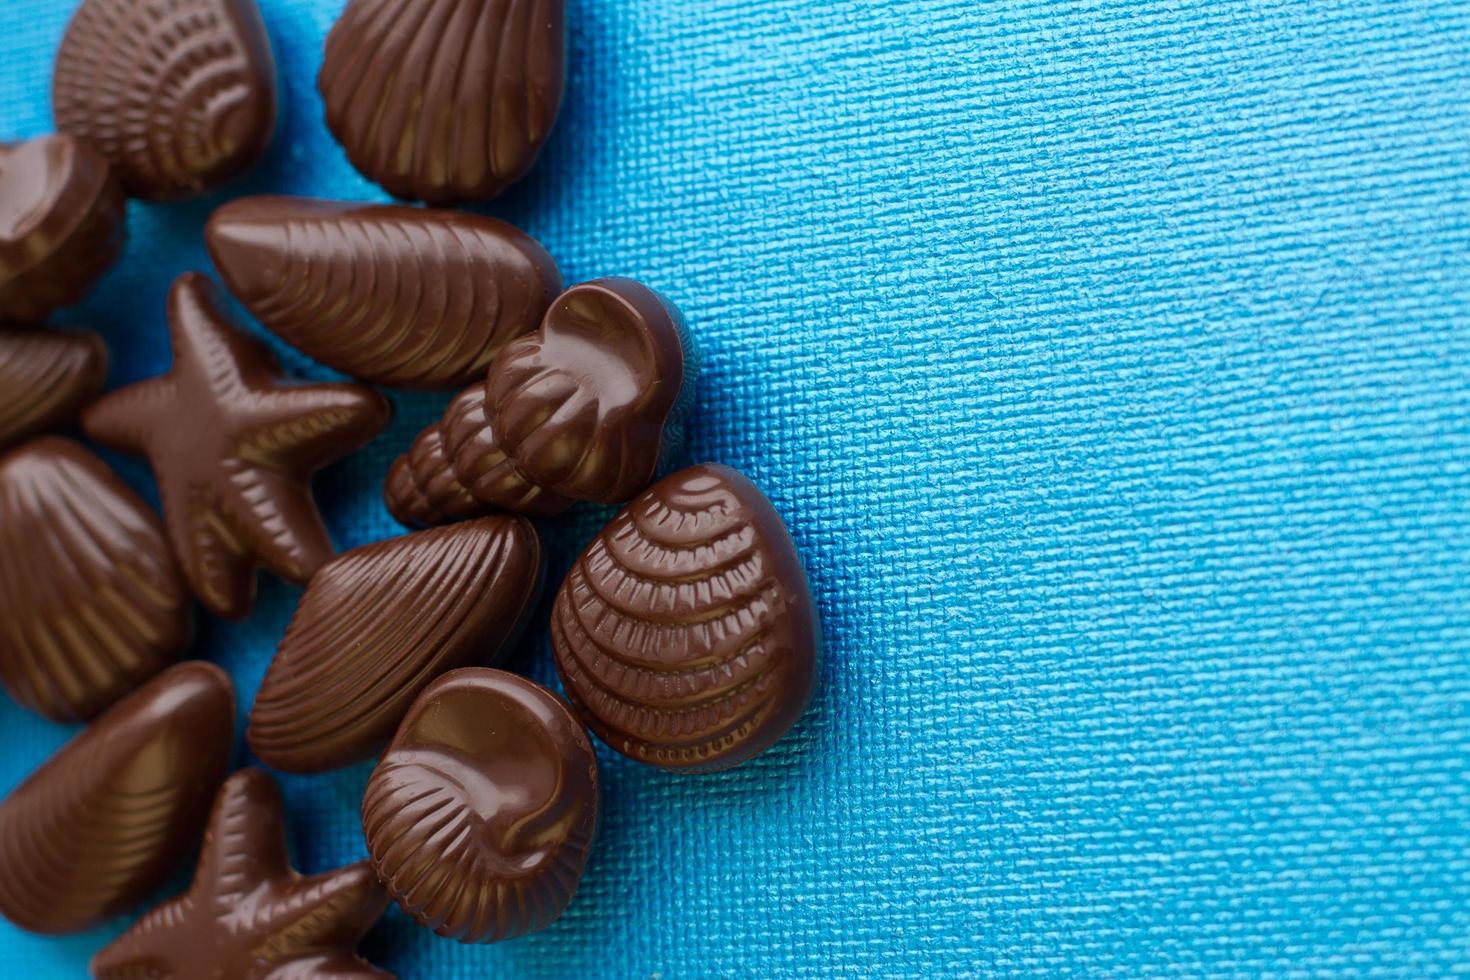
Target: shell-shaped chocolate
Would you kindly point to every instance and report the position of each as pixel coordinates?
(444, 101)
(685, 634)
(480, 815)
(46, 378)
(110, 816)
(62, 224)
(377, 625)
(91, 602)
(179, 94)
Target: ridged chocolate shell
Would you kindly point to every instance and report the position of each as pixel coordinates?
(481, 814)
(377, 625)
(179, 95)
(115, 811)
(444, 101)
(62, 225)
(46, 378)
(395, 295)
(91, 602)
(685, 634)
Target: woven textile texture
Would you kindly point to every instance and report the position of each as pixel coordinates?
(1110, 361)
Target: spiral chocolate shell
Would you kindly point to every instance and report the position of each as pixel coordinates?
(46, 378)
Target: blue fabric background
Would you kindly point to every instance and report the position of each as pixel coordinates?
(1110, 361)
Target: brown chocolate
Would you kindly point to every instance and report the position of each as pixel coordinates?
(379, 623)
(62, 224)
(233, 446)
(481, 814)
(445, 101)
(585, 408)
(180, 96)
(46, 377)
(248, 914)
(110, 816)
(396, 295)
(91, 602)
(685, 634)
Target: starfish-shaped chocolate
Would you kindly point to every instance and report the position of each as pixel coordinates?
(248, 916)
(233, 445)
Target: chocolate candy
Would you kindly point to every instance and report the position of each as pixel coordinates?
(445, 101)
(46, 376)
(180, 96)
(91, 602)
(248, 914)
(400, 296)
(377, 624)
(111, 815)
(62, 224)
(585, 408)
(234, 446)
(481, 814)
(685, 634)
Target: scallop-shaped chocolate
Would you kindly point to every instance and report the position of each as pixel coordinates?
(444, 101)
(62, 224)
(480, 815)
(91, 602)
(377, 625)
(115, 811)
(395, 295)
(46, 378)
(179, 95)
(685, 634)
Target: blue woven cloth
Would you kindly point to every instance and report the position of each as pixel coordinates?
(1110, 361)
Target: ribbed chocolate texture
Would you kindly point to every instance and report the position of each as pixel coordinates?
(111, 815)
(400, 296)
(444, 101)
(91, 602)
(46, 377)
(481, 814)
(685, 634)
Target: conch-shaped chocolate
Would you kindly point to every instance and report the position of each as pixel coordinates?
(62, 224)
(685, 634)
(91, 602)
(377, 624)
(46, 378)
(395, 295)
(480, 815)
(179, 95)
(445, 101)
(111, 815)
(585, 408)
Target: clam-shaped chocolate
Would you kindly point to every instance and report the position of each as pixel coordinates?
(46, 378)
(481, 813)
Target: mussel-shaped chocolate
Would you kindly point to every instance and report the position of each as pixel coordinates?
(180, 96)
(377, 625)
(62, 224)
(445, 101)
(46, 378)
(685, 634)
(91, 602)
(112, 814)
(390, 294)
(480, 815)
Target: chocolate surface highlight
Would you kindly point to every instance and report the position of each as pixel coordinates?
(46, 378)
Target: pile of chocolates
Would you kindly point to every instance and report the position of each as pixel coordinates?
(685, 634)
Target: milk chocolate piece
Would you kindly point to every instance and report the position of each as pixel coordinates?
(445, 101)
(685, 634)
(480, 816)
(248, 914)
(233, 446)
(46, 377)
(379, 623)
(396, 295)
(111, 815)
(62, 224)
(91, 602)
(180, 96)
